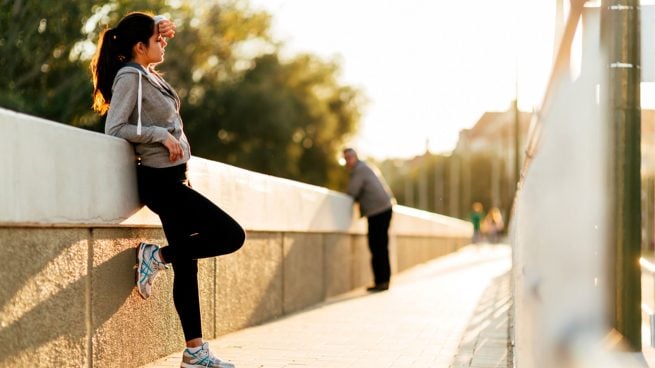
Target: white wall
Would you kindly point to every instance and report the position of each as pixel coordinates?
(56, 174)
(53, 173)
(560, 228)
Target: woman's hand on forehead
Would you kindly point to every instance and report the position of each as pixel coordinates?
(166, 28)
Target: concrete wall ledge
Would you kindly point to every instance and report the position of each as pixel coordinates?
(70, 220)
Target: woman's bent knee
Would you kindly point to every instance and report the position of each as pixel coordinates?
(236, 240)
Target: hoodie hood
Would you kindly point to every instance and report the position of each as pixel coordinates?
(135, 68)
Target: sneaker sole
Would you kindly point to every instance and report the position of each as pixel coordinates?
(139, 262)
(222, 364)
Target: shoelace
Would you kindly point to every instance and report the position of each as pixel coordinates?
(148, 272)
(205, 357)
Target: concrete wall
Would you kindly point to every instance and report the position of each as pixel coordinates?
(70, 219)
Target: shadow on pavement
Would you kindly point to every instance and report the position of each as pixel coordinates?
(486, 342)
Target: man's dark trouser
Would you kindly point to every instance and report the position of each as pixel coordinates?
(378, 243)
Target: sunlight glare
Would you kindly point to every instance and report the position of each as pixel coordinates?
(429, 69)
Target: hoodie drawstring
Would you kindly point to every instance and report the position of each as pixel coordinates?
(138, 125)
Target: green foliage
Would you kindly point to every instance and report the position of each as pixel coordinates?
(241, 104)
(405, 178)
(452, 183)
(288, 118)
(40, 75)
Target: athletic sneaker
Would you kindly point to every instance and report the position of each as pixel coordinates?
(147, 268)
(202, 358)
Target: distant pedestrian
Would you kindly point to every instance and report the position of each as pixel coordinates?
(367, 186)
(493, 225)
(476, 216)
(145, 110)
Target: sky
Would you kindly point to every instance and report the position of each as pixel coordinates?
(428, 68)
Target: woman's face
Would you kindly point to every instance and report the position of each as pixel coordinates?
(154, 52)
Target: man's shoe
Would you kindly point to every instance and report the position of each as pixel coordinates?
(378, 287)
(147, 268)
(202, 358)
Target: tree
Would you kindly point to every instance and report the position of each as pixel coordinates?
(288, 119)
(241, 104)
(40, 68)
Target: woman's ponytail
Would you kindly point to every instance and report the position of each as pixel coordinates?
(104, 66)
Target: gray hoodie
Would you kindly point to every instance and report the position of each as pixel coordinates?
(143, 109)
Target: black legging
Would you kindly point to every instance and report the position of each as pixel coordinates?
(195, 228)
(378, 243)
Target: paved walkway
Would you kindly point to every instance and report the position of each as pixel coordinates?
(450, 312)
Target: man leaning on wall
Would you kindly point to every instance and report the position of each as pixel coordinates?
(367, 186)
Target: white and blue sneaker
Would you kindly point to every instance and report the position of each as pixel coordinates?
(147, 268)
(202, 358)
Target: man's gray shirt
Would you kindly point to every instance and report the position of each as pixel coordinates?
(367, 186)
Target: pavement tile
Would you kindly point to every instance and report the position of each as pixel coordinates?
(437, 315)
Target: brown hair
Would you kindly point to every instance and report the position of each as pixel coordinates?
(114, 50)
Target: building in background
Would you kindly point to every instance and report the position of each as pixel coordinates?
(481, 168)
(487, 161)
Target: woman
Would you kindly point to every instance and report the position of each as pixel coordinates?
(144, 109)
(493, 225)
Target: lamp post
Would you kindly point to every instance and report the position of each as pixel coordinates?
(620, 34)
